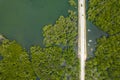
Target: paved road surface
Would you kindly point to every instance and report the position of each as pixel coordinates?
(82, 37)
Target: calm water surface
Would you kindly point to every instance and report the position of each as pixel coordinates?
(22, 20)
(93, 33)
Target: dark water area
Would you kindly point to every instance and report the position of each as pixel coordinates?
(1, 57)
(22, 20)
(93, 33)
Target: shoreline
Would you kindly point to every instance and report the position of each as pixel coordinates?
(2, 38)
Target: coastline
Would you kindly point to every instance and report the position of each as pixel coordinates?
(2, 38)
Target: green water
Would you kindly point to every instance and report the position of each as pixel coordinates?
(22, 20)
(93, 33)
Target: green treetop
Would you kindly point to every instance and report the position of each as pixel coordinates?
(105, 65)
(72, 3)
(15, 64)
(63, 32)
(55, 64)
(105, 15)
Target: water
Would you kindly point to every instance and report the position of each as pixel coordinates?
(22, 20)
(93, 33)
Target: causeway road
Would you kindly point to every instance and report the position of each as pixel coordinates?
(82, 51)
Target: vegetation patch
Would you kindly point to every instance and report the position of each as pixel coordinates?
(105, 63)
(57, 61)
(15, 64)
(54, 64)
(63, 32)
(105, 15)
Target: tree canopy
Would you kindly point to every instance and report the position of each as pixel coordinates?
(15, 64)
(73, 3)
(105, 15)
(63, 32)
(58, 60)
(55, 64)
(105, 64)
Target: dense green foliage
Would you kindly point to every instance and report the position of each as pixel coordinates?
(63, 32)
(57, 61)
(46, 62)
(105, 15)
(106, 62)
(72, 64)
(54, 64)
(73, 3)
(15, 64)
(105, 65)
